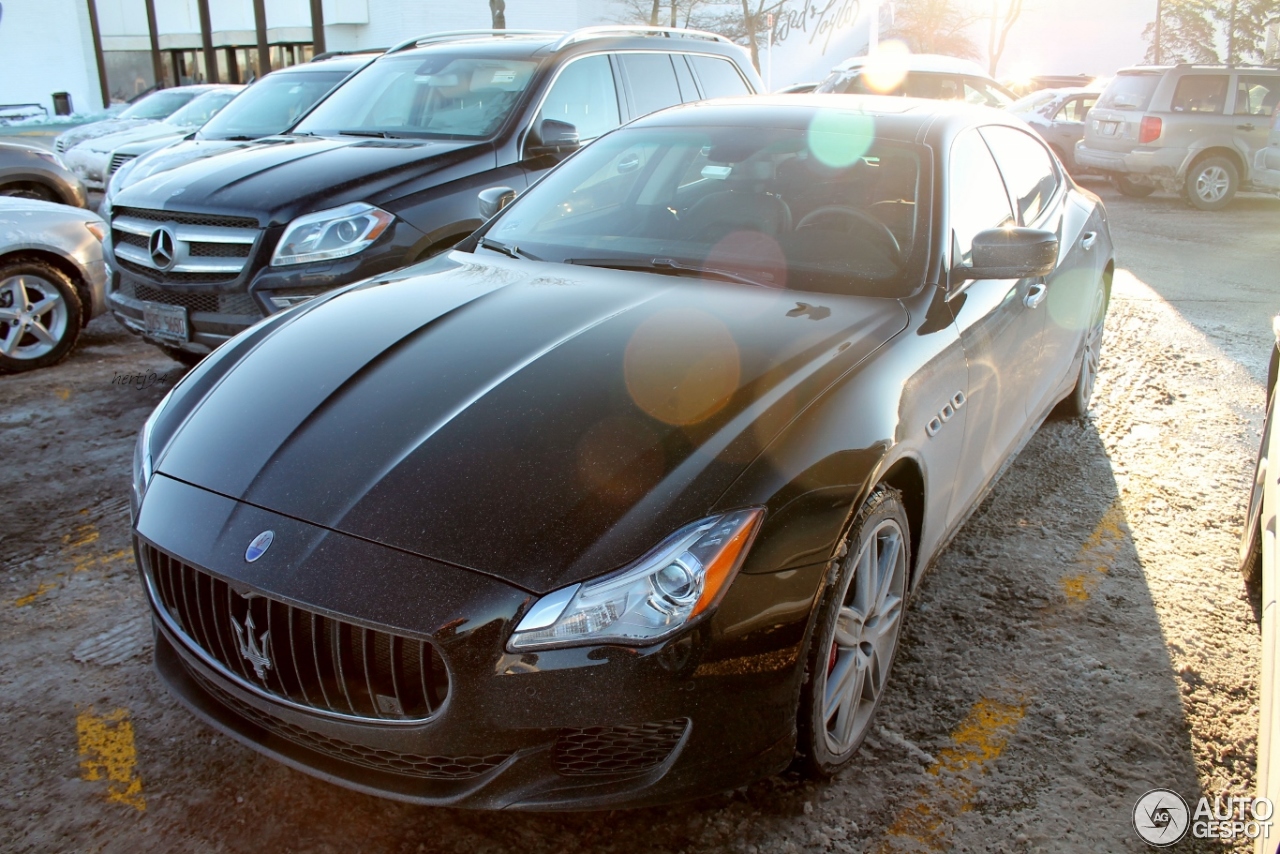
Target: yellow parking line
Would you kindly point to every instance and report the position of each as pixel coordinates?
(107, 753)
(23, 601)
(1097, 554)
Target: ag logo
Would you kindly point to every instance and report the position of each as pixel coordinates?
(1161, 817)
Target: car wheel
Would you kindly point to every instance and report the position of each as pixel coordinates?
(40, 315)
(1076, 404)
(1211, 184)
(1131, 188)
(185, 357)
(856, 637)
(38, 192)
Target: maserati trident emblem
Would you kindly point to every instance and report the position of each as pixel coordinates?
(163, 247)
(259, 546)
(253, 649)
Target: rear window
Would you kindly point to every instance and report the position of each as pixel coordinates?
(1129, 92)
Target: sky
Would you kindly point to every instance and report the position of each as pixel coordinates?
(1093, 37)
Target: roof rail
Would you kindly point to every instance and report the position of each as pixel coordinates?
(586, 33)
(330, 54)
(447, 35)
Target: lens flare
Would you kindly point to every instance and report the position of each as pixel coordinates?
(838, 138)
(886, 68)
(682, 366)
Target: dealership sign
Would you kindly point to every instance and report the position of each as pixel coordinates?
(811, 36)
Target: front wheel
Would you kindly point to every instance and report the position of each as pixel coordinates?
(1211, 184)
(1076, 404)
(40, 315)
(856, 637)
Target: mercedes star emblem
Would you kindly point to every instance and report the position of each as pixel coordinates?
(163, 247)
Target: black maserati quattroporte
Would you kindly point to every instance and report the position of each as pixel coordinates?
(622, 500)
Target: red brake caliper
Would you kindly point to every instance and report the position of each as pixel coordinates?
(831, 662)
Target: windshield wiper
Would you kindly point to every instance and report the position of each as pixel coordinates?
(668, 267)
(380, 134)
(509, 251)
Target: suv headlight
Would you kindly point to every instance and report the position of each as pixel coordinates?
(335, 233)
(651, 599)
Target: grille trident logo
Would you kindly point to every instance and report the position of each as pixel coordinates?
(254, 650)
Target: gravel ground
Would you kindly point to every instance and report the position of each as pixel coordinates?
(1085, 638)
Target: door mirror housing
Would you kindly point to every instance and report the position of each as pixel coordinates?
(1012, 253)
(495, 199)
(552, 136)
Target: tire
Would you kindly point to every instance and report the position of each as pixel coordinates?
(38, 192)
(40, 315)
(1211, 184)
(187, 358)
(1133, 189)
(856, 637)
(1076, 404)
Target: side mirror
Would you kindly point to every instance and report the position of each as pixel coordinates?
(551, 136)
(1012, 253)
(495, 199)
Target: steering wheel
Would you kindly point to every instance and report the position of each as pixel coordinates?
(880, 230)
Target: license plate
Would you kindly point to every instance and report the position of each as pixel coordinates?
(165, 321)
(1108, 128)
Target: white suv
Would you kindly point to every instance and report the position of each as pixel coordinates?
(939, 78)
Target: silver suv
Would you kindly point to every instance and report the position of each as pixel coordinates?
(1201, 130)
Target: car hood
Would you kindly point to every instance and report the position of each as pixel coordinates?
(178, 153)
(144, 133)
(283, 176)
(541, 423)
(75, 136)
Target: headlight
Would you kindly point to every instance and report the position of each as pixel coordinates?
(649, 600)
(334, 233)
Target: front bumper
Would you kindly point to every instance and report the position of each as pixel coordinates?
(528, 731)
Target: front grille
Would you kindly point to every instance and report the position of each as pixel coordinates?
(409, 764)
(297, 656)
(203, 302)
(182, 218)
(220, 250)
(618, 749)
(118, 160)
(176, 278)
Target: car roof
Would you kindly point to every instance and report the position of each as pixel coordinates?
(530, 44)
(923, 62)
(339, 62)
(896, 118)
(1189, 67)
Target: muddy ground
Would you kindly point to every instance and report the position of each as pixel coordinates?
(1085, 638)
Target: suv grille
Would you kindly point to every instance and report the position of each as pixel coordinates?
(409, 764)
(618, 749)
(192, 247)
(181, 218)
(241, 304)
(297, 656)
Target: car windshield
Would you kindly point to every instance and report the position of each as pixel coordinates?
(201, 109)
(833, 209)
(158, 105)
(271, 105)
(438, 97)
(1129, 92)
(1031, 103)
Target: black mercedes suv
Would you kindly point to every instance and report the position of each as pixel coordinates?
(386, 169)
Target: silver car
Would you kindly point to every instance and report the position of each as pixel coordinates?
(1059, 116)
(153, 107)
(53, 280)
(1200, 130)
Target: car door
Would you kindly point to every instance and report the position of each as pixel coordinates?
(584, 94)
(1257, 97)
(1066, 127)
(1042, 199)
(998, 328)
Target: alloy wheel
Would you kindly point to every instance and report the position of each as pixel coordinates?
(33, 317)
(1212, 184)
(1092, 360)
(866, 636)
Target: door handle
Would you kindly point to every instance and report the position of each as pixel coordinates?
(1244, 127)
(1087, 241)
(1035, 295)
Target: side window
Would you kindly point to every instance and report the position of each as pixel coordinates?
(919, 85)
(1027, 168)
(976, 196)
(652, 81)
(585, 97)
(688, 91)
(1200, 93)
(1257, 96)
(981, 92)
(719, 77)
(1075, 109)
